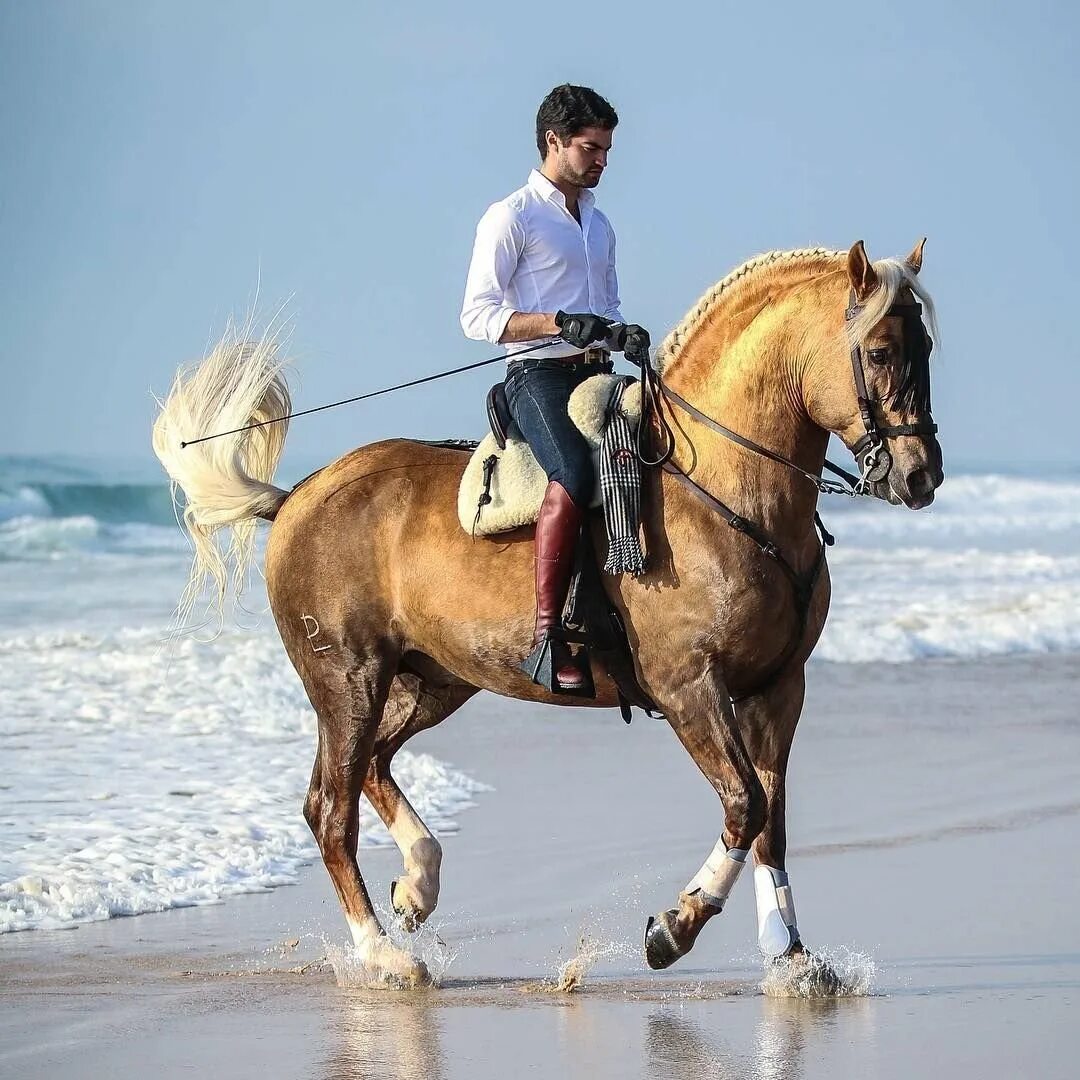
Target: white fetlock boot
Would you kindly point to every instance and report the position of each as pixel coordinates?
(718, 875)
(777, 929)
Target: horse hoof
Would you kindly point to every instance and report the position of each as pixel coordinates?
(409, 921)
(800, 973)
(819, 977)
(661, 951)
(382, 964)
(414, 976)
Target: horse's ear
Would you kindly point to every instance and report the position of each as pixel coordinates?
(914, 260)
(860, 272)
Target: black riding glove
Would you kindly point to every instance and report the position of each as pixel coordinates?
(581, 330)
(632, 341)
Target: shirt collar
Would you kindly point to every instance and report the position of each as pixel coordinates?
(547, 190)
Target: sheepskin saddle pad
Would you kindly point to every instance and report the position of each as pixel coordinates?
(517, 483)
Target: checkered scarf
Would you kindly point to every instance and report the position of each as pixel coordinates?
(620, 487)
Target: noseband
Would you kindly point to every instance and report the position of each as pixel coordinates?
(871, 454)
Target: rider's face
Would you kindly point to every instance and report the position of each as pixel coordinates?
(581, 161)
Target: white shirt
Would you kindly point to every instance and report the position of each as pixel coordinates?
(531, 255)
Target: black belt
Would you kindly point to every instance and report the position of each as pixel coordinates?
(600, 359)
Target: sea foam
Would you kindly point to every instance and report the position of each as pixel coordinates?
(139, 778)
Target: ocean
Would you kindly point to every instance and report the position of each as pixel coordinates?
(143, 773)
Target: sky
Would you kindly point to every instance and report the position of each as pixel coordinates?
(166, 166)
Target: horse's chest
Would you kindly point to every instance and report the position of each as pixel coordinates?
(746, 604)
(713, 605)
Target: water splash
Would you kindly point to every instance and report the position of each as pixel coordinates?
(399, 961)
(590, 951)
(829, 972)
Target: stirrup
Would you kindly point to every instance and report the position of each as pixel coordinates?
(550, 655)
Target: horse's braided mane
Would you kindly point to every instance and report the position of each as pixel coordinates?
(672, 345)
(913, 389)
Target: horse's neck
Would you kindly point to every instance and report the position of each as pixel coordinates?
(745, 373)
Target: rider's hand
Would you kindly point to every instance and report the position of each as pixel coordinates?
(632, 341)
(581, 330)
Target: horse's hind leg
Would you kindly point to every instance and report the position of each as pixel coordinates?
(348, 697)
(412, 707)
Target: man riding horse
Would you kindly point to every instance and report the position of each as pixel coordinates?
(393, 635)
(543, 252)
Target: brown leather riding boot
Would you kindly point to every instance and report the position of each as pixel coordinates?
(557, 530)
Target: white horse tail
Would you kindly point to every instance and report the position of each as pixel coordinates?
(225, 481)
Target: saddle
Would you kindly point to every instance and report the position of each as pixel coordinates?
(502, 489)
(502, 486)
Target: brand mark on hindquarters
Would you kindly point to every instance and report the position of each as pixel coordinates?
(311, 625)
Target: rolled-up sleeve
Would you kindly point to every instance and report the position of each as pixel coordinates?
(500, 238)
(613, 311)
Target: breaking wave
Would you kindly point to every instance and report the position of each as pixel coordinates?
(49, 510)
(140, 780)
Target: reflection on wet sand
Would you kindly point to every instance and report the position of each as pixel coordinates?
(683, 1049)
(672, 1032)
(680, 1049)
(381, 1035)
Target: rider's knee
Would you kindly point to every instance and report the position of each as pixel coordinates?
(577, 477)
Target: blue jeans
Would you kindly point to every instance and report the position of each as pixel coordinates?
(537, 392)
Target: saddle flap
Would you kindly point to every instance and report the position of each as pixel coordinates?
(498, 414)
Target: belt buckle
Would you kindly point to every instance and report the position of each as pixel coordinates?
(595, 356)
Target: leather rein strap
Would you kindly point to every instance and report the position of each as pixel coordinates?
(654, 390)
(826, 487)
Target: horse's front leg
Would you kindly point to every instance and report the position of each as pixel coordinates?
(701, 715)
(767, 722)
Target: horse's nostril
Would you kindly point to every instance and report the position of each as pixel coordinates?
(920, 482)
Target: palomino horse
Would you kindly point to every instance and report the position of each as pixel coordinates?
(394, 616)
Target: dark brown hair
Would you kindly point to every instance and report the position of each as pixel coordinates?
(567, 110)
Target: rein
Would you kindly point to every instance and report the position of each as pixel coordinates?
(825, 487)
(653, 390)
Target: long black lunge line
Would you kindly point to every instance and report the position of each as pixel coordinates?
(374, 393)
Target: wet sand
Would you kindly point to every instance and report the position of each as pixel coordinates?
(934, 813)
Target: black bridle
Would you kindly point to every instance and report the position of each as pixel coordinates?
(870, 451)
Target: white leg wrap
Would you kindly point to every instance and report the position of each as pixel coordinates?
(364, 932)
(718, 874)
(777, 929)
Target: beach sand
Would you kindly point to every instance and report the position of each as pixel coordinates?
(933, 826)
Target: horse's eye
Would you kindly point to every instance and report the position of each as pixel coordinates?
(878, 356)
